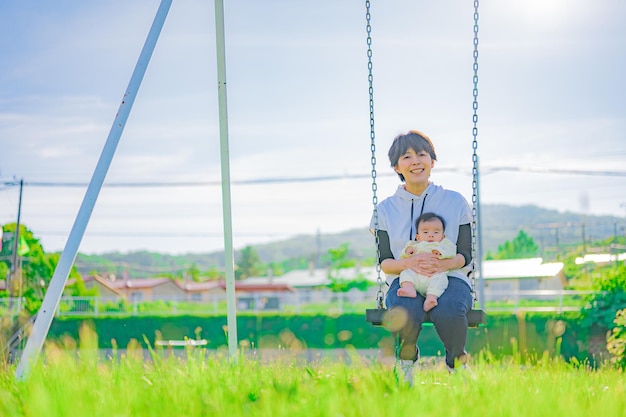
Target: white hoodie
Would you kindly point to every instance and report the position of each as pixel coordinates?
(397, 215)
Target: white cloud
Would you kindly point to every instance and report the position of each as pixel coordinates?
(550, 97)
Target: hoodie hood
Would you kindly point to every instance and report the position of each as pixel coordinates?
(402, 193)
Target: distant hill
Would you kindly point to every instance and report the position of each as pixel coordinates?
(552, 230)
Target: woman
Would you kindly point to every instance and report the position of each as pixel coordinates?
(412, 156)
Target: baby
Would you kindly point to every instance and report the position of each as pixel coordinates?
(430, 238)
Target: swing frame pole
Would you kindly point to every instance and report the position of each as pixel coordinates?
(231, 311)
(57, 284)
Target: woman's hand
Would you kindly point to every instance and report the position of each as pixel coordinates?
(426, 264)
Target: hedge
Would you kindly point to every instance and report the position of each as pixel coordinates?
(504, 334)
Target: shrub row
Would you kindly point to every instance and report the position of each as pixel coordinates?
(504, 334)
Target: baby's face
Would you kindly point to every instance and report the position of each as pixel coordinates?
(430, 231)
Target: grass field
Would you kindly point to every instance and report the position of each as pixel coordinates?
(82, 384)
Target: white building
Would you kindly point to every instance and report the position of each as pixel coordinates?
(601, 258)
(502, 278)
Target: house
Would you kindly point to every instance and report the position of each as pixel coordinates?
(261, 296)
(502, 278)
(310, 284)
(213, 288)
(105, 289)
(513, 275)
(144, 289)
(149, 289)
(206, 291)
(601, 258)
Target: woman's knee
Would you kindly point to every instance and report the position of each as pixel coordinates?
(457, 297)
(452, 306)
(414, 307)
(449, 312)
(404, 311)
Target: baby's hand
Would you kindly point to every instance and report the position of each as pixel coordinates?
(409, 251)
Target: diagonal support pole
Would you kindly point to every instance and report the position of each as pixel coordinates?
(57, 284)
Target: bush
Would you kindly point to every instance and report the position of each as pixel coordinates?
(602, 307)
(616, 340)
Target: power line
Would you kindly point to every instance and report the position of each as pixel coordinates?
(165, 235)
(282, 180)
(203, 183)
(556, 171)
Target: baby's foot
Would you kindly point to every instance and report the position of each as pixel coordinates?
(407, 292)
(430, 303)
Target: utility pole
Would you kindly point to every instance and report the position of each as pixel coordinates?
(16, 242)
(614, 250)
(556, 237)
(318, 248)
(584, 240)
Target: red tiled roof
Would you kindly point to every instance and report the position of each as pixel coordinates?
(102, 281)
(192, 286)
(254, 287)
(140, 283)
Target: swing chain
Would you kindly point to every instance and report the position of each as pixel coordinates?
(475, 154)
(370, 79)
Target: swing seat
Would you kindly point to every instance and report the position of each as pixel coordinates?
(376, 316)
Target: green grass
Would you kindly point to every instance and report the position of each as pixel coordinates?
(201, 384)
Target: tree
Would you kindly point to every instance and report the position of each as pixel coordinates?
(249, 264)
(522, 246)
(194, 273)
(4, 270)
(214, 273)
(30, 267)
(78, 289)
(34, 269)
(338, 258)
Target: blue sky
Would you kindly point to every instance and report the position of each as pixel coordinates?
(551, 94)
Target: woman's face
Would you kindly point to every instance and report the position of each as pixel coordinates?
(415, 166)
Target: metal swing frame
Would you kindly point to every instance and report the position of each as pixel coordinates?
(475, 317)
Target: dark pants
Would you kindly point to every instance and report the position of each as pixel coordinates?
(449, 318)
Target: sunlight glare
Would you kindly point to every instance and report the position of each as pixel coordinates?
(547, 12)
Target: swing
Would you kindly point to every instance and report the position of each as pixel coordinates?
(376, 316)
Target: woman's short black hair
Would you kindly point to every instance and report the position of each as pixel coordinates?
(414, 139)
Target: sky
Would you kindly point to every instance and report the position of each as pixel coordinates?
(551, 117)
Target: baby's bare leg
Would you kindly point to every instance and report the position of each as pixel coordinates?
(407, 289)
(430, 302)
